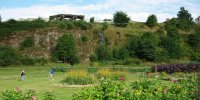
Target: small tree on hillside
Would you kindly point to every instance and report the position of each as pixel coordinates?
(121, 19)
(92, 20)
(184, 19)
(65, 49)
(151, 21)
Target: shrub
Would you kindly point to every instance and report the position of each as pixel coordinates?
(93, 57)
(147, 46)
(18, 94)
(84, 38)
(107, 90)
(103, 53)
(152, 89)
(78, 77)
(65, 49)
(8, 56)
(70, 25)
(171, 68)
(82, 24)
(49, 96)
(92, 20)
(131, 61)
(104, 26)
(27, 42)
(195, 56)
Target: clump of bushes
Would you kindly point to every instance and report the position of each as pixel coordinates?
(107, 90)
(10, 56)
(78, 77)
(171, 68)
(18, 94)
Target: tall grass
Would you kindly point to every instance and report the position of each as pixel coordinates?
(79, 77)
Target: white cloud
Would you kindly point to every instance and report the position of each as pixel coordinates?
(138, 10)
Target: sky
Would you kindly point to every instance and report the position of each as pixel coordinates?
(137, 10)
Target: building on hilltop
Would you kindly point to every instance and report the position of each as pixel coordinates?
(197, 20)
(66, 16)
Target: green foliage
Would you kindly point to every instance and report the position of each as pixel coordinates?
(27, 42)
(18, 94)
(120, 19)
(173, 48)
(78, 77)
(93, 57)
(195, 56)
(151, 21)
(184, 19)
(12, 26)
(82, 24)
(65, 49)
(153, 89)
(104, 26)
(103, 53)
(107, 90)
(147, 45)
(49, 96)
(8, 56)
(194, 40)
(84, 38)
(70, 25)
(92, 20)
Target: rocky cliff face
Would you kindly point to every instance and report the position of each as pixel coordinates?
(45, 41)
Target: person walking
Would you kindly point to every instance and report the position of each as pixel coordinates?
(51, 73)
(22, 75)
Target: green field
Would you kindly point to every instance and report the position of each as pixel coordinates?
(37, 78)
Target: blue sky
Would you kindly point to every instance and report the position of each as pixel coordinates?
(137, 10)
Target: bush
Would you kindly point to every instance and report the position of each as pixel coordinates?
(195, 56)
(131, 61)
(107, 90)
(92, 20)
(171, 68)
(78, 77)
(152, 89)
(65, 49)
(93, 57)
(104, 26)
(82, 24)
(8, 56)
(27, 42)
(84, 38)
(147, 45)
(49, 96)
(103, 53)
(18, 94)
(70, 25)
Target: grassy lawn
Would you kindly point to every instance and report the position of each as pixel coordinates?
(37, 78)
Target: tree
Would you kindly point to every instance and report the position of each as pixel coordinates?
(184, 14)
(92, 20)
(65, 49)
(184, 19)
(103, 53)
(147, 45)
(194, 39)
(151, 21)
(121, 19)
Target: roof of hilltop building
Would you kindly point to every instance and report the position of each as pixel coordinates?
(63, 16)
